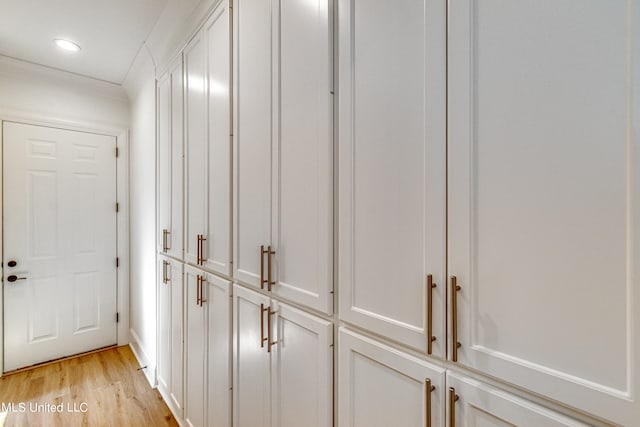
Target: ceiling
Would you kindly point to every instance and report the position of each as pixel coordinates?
(110, 33)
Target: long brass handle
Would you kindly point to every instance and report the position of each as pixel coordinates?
(199, 249)
(455, 344)
(269, 341)
(430, 337)
(165, 246)
(453, 398)
(203, 280)
(262, 279)
(429, 389)
(202, 257)
(198, 290)
(262, 337)
(165, 276)
(270, 282)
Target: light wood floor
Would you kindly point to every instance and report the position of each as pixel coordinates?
(115, 392)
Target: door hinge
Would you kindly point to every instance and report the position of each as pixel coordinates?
(117, 207)
(117, 152)
(117, 261)
(117, 317)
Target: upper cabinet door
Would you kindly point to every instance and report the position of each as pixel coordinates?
(175, 241)
(544, 197)
(164, 162)
(217, 247)
(381, 386)
(303, 154)
(392, 201)
(195, 64)
(252, 137)
(479, 404)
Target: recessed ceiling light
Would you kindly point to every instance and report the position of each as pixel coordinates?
(67, 45)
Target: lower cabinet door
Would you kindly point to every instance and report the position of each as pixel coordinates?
(164, 326)
(380, 386)
(219, 352)
(472, 403)
(302, 370)
(195, 343)
(251, 359)
(176, 279)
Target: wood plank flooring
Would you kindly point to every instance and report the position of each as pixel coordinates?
(106, 385)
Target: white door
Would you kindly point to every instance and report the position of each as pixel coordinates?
(380, 386)
(302, 370)
(217, 247)
(195, 120)
(544, 197)
(170, 331)
(219, 354)
(472, 404)
(303, 155)
(392, 200)
(59, 243)
(252, 137)
(195, 346)
(251, 359)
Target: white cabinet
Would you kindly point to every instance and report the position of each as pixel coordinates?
(195, 347)
(471, 403)
(208, 145)
(283, 152)
(392, 158)
(544, 197)
(283, 360)
(170, 333)
(170, 160)
(380, 386)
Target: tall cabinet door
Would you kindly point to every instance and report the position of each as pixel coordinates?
(164, 161)
(217, 247)
(195, 347)
(381, 386)
(164, 324)
(251, 359)
(252, 137)
(544, 197)
(479, 404)
(302, 370)
(175, 243)
(219, 352)
(196, 146)
(176, 279)
(392, 200)
(303, 154)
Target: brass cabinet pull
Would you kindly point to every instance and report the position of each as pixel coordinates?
(269, 341)
(165, 276)
(429, 389)
(198, 290)
(165, 244)
(430, 337)
(270, 282)
(201, 239)
(198, 250)
(453, 398)
(262, 279)
(262, 337)
(455, 344)
(203, 280)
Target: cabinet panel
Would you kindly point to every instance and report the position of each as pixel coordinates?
(217, 247)
(252, 136)
(302, 367)
(196, 145)
(544, 203)
(219, 352)
(164, 324)
(480, 405)
(380, 386)
(303, 208)
(175, 237)
(176, 277)
(392, 167)
(195, 350)
(164, 160)
(251, 362)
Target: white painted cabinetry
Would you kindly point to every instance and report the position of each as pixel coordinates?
(283, 152)
(170, 161)
(170, 333)
(195, 347)
(282, 364)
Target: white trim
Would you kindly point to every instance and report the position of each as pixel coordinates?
(148, 368)
(122, 190)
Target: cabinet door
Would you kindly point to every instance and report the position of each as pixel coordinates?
(164, 161)
(544, 197)
(195, 349)
(302, 370)
(392, 167)
(303, 155)
(252, 137)
(196, 144)
(380, 386)
(219, 353)
(479, 404)
(251, 361)
(175, 241)
(217, 247)
(170, 332)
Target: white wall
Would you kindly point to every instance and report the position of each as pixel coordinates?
(140, 86)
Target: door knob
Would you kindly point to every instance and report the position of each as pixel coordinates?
(13, 278)
(12, 263)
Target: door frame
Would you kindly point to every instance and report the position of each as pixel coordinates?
(122, 222)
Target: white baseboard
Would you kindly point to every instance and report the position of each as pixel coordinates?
(143, 358)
